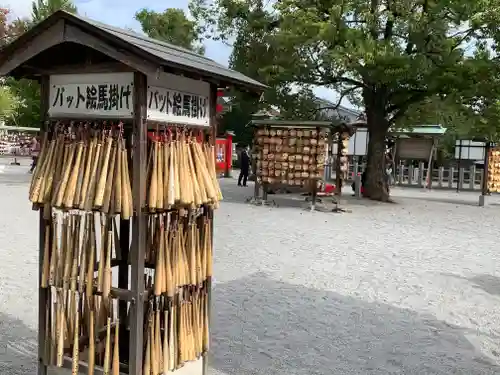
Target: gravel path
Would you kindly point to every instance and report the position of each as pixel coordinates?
(409, 288)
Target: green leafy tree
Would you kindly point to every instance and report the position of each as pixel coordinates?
(388, 55)
(41, 9)
(27, 92)
(171, 26)
(28, 111)
(252, 53)
(10, 29)
(8, 103)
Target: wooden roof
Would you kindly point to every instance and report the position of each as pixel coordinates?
(273, 123)
(132, 49)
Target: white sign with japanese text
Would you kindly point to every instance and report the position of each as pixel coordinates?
(178, 100)
(102, 95)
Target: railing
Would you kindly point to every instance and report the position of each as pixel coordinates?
(442, 178)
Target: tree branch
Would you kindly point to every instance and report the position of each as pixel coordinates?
(389, 25)
(373, 11)
(401, 108)
(468, 33)
(350, 81)
(335, 107)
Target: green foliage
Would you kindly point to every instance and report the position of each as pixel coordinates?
(388, 55)
(9, 30)
(253, 53)
(171, 26)
(8, 103)
(41, 9)
(28, 111)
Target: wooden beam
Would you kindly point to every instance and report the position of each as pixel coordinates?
(81, 69)
(53, 36)
(137, 250)
(76, 35)
(43, 293)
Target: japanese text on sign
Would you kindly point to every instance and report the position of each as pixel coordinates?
(101, 97)
(176, 106)
(109, 97)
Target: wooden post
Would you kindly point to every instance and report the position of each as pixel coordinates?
(123, 284)
(43, 293)
(459, 167)
(213, 125)
(314, 194)
(429, 167)
(440, 176)
(338, 172)
(460, 179)
(484, 182)
(472, 177)
(138, 224)
(421, 174)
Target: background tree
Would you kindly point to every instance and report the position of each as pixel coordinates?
(386, 54)
(252, 53)
(8, 103)
(171, 26)
(27, 92)
(10, 28)
(41, 9)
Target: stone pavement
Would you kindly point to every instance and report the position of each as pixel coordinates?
(407, 288)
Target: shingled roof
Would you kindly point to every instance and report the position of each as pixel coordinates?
(166, 54)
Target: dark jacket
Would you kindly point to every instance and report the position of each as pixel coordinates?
(245, 160)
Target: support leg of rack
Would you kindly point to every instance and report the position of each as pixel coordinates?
(265, 188)
(314, 194)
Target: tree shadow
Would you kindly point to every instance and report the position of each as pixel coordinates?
(242, 195)
(18, 347)
(263, 326)
(488, 283)
(456, 201)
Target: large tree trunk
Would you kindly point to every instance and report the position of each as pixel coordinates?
(376, 182)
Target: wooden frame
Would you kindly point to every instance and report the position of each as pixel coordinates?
(284, 124)
(19, 60)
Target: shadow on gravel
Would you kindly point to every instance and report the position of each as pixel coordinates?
(262, 326)
(456, 201)
(235, 194)
(488, 283)
(18, 347)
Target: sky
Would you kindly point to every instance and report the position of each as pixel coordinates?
(120, 13)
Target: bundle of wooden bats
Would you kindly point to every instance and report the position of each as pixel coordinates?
(82, 312)
(176, 330)
(181, 172)
(83, 168)
(180, 248)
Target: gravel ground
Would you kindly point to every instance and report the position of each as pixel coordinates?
(407, 288)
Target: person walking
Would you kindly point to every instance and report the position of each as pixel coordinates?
(244, 167)
(35, 151)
